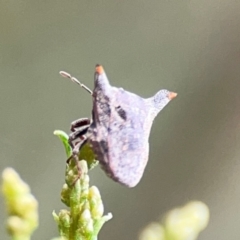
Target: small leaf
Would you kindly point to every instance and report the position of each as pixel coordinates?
(64, 138)
(87, 154)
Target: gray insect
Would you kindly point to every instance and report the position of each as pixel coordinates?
(119, 129)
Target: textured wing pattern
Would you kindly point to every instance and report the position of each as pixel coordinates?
(121, 124)
(120, 128)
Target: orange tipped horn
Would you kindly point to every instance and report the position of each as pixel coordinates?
(99, 69)
(172, 95)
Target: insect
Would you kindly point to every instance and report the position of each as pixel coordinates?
(119, 129)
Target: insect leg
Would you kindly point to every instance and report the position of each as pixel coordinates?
(78, 146)
(74, 156)
(78, 133)
(79, 123)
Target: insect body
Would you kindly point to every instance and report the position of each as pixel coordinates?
(119, 129)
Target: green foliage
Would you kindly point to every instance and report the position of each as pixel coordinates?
(82, 221)
(64, 139)
(21, 205)
(86, 152)
(85, 218)
(183, 223)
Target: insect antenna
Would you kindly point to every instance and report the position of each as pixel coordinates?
(73, 79)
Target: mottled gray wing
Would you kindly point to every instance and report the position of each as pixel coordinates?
(128, 134)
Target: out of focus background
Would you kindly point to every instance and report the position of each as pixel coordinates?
(190, 47)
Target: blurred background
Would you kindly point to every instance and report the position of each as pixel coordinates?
(190, 47)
